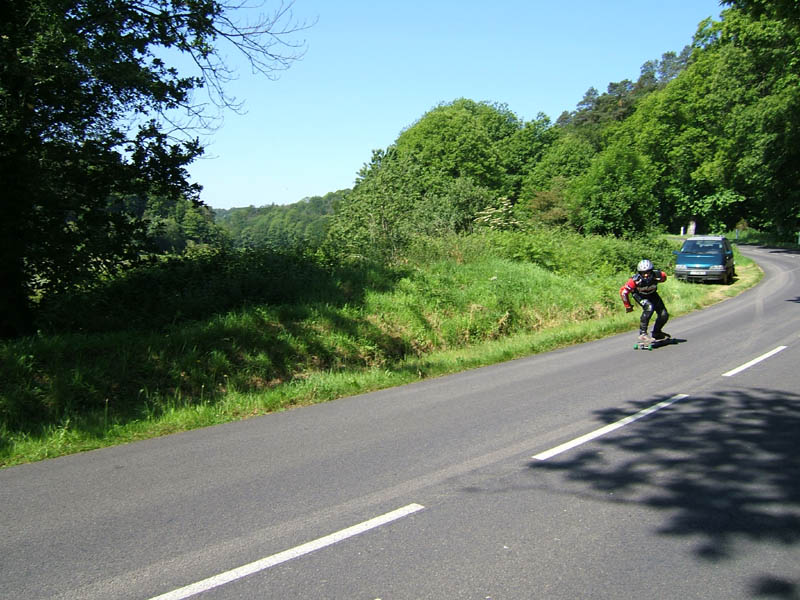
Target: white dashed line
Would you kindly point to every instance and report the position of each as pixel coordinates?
(747, 365)
(287, 555)
(607, 429)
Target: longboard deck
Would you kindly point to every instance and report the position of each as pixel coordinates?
(640, 345)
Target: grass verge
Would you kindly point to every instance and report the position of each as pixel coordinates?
(441, 318)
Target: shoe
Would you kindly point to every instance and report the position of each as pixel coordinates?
(661, 335)
(643, 337)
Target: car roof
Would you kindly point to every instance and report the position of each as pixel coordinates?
(706, 237)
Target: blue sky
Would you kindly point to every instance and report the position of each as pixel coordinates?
(372, 68)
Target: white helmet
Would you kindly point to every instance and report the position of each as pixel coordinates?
(644, 266)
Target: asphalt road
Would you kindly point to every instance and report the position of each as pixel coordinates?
(596, 471)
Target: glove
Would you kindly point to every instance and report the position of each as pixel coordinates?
(628, 309)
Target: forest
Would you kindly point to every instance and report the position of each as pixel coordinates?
(106, 250)
(303, 224)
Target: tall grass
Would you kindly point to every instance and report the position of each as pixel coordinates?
(454, 303)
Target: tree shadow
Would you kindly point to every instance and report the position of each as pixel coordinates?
(774, 587)
(723, 468)
(784, 251)
(185, 333)
(772, 248)
(183, 289)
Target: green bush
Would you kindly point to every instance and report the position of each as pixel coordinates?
(566, 252)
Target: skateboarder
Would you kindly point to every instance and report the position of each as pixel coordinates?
(642, 286)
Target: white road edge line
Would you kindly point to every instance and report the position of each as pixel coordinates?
(287, 555)
(607, 429)
(747, 365)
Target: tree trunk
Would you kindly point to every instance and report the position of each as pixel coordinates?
(15, 309)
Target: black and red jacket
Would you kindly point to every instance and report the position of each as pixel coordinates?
(641, 285)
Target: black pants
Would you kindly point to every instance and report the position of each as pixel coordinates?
(651, 303)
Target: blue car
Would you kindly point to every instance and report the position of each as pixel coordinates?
(705, 258)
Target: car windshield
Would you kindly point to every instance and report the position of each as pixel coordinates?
(702, 247)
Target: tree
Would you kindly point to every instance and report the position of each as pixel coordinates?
(774, 9)
(567, 157)
(724, 134)
(759, 45)
(460, 139)
(452, 163)
(672, 65)
(90, 112)
(543, 192)
(615, 195)
(375, 220)
(521, 152)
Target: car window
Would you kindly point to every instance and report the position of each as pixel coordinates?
(705, 246)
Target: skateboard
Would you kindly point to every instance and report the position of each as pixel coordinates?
(652, 343)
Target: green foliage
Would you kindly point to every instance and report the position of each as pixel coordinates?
(706, 136)
(374, 221)
(725, 130)
(303, 224)
(543, 197)
(567, 157)
(616, 194)
(522, 151)
(460, 139)
(451, 164)
(762, 135)
(292, 317)
(566, 252)
(89, 118)
(787, 10)
(746, 235)
(197, 285)
(175, 227)
(717, 211)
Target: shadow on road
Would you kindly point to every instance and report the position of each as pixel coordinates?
(783, 251)
(722, 468)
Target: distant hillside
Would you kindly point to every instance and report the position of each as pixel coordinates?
(303, 223)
